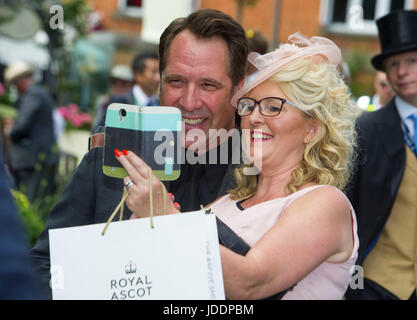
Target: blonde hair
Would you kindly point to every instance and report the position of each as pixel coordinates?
(328, 159)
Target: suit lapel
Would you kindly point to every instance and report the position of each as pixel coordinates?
(389, 129)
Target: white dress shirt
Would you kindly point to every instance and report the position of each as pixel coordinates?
(406, 110)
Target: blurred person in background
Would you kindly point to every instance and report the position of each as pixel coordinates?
(121, 81)
(145, 67)
(383, 93)
(33, 150)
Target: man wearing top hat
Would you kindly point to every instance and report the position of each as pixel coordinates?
(384, 189)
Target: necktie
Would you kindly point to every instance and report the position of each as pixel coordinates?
(414, 118)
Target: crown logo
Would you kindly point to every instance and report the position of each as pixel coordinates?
(130, 268)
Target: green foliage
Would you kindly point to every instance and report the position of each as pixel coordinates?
(246, 2)
(7, 111)
(362, 72)
(32, 222)
(5, 14)
(75, 14)
(34, 213)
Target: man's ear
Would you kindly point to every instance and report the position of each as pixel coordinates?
(239, 86)
(241, 83)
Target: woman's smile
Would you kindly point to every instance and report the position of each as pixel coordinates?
(257, 136)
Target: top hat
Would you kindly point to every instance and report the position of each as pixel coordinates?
(15, 70)
(397, 33)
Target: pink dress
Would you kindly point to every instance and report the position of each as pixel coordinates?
(327, 281)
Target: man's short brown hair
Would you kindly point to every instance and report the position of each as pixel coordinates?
(208, 23)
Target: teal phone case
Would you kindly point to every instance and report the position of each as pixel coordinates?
(153, 133)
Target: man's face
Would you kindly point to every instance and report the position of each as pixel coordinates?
(148, 79)
(23, 83)
(402, 74)
(196, 81)
(120, 87)
(383, 88)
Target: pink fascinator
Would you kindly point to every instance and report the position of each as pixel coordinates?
(298, 46)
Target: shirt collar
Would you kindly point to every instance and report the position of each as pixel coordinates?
(404, 108)
(140, 97)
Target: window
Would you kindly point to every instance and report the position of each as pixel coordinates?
(357, 16)
(132, 8)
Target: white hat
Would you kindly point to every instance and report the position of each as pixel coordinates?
(16, 70)
(121, 71)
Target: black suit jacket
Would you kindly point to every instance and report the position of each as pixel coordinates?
(33, 131)
(381, 164)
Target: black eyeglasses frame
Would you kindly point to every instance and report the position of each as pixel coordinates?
(258, 102)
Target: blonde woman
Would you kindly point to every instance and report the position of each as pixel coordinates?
(293, 214)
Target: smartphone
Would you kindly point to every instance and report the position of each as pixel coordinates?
(152, 133)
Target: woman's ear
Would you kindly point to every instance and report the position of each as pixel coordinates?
(312, 130)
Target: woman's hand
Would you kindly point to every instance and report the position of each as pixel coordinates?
(138, 193)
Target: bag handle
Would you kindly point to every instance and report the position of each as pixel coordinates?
(124, 196)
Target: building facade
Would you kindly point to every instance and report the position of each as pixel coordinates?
(350, 23)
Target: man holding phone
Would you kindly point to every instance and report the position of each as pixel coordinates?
(202, 64)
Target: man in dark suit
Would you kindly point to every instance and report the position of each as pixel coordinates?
(202, 63)
(120, 82)
(17, 280)
(145, 70)
(33, 153)
(384, 188)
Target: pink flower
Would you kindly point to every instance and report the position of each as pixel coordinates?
(73, 108)
(85, 117)
(74, 116)
(63, 111)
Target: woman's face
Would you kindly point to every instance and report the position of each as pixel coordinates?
(278, 142)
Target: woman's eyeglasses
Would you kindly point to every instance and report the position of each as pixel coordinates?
(268, 107)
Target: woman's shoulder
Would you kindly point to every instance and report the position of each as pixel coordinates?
(322, 198)
(326, 211)
(222, 200)
(320, 190)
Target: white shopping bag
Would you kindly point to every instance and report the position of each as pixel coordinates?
(177, 259)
